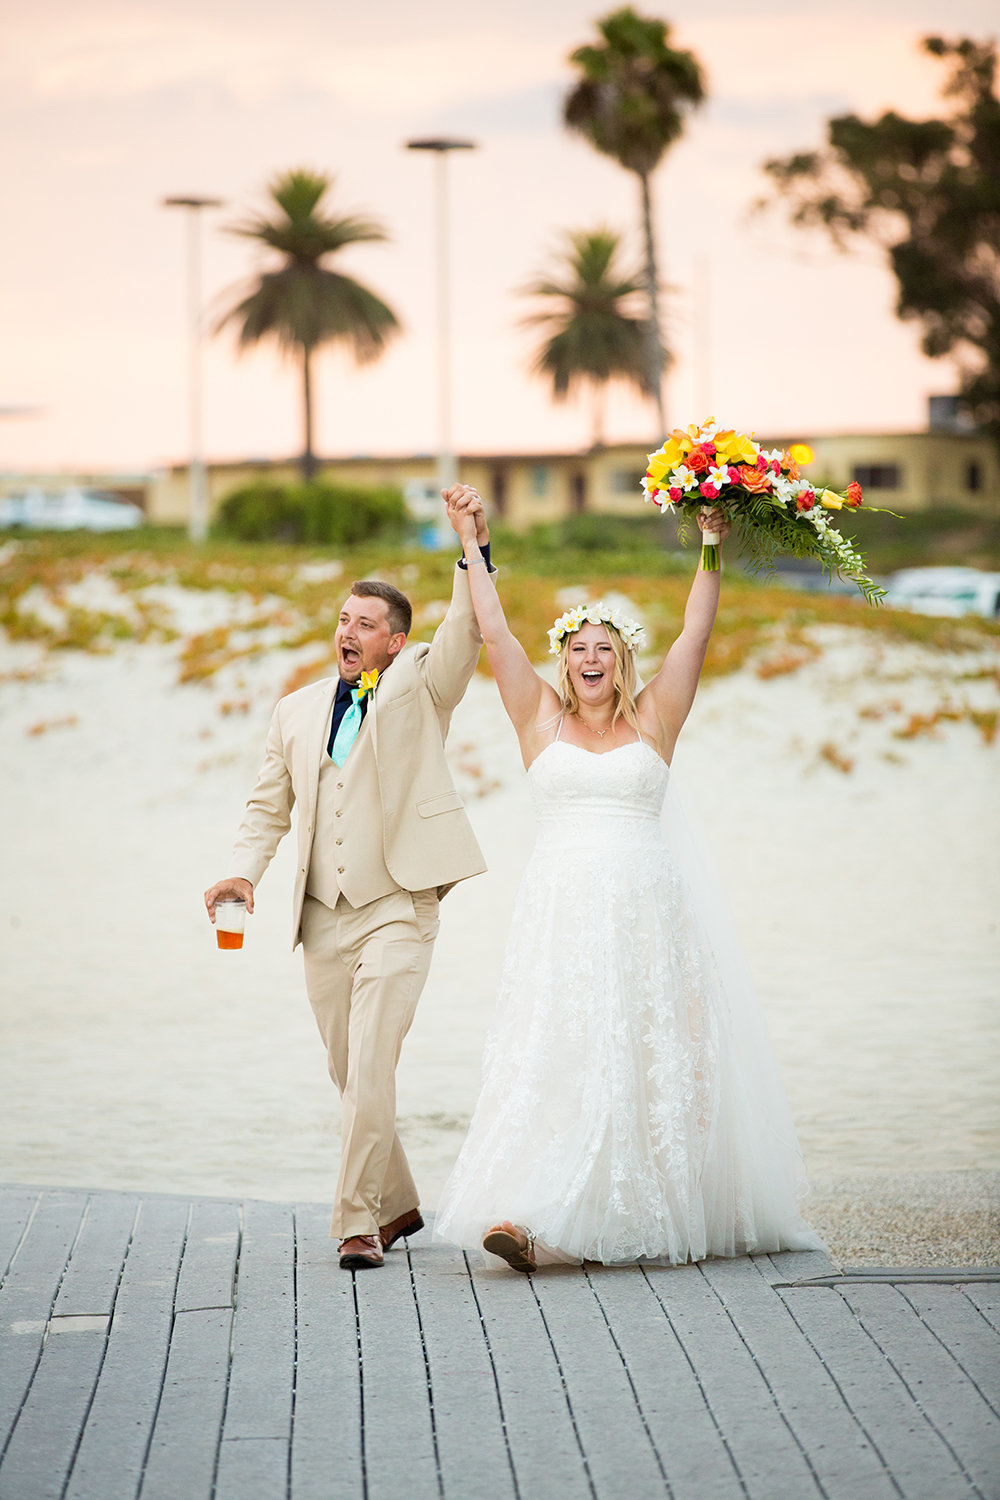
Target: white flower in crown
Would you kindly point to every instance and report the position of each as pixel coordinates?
(600, 613)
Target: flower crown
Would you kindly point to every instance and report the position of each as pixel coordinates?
(630, 631)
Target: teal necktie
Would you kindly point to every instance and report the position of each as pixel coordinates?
(347, 730)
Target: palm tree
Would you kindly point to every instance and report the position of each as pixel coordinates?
(630, 105)
(301, 303)
(595, 335)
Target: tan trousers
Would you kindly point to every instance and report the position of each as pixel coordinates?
(365, 968)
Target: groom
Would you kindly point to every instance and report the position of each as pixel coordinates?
(382, 835)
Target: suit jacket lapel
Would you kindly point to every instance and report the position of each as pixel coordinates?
(318, 735)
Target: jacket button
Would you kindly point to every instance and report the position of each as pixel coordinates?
(340, 786)
(340, 869)
(340, 841)
(337, 813)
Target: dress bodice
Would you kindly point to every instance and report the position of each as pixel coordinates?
(584, 799)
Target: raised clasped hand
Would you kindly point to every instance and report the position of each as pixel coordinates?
(466, 513)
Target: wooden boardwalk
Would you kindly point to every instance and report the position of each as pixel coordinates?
(204, 1349)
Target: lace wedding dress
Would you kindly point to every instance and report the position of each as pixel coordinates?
(631, 1106)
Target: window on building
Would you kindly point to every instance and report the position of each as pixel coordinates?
(540, 480)
(500, 491)
(626, 481)
(878, 476)
(973, 475)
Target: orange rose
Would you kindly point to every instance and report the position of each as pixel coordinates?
(698, 461)
(854, 496)
(754, 481)
(789, 465)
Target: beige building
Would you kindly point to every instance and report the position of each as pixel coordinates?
(908, 471)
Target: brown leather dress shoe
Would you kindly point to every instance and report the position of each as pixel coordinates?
(407, 1223)
(362, 1252)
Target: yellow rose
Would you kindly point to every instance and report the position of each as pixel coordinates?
(831, 501)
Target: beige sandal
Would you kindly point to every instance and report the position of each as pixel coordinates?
(500, 1241)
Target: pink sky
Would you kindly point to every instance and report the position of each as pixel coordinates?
(110, 105)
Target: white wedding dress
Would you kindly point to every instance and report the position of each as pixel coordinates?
(631, 1106)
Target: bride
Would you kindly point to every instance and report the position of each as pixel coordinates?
(630, 1105)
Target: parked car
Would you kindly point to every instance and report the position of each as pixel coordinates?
(945, 591)
(74, 509)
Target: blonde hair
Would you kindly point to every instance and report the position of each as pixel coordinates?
(624, 679)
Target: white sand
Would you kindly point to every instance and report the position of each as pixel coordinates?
(136, 1055)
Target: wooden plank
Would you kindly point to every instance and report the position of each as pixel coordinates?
(208, 1270)
(91, 1278)
(948, 1397)
(16, 1208)
(44, 1441)
(545, 1450)
(766, 1454)
(986, 1301)
(920, 1464)
(259, 1404)
(109, 1461)
(794, 1265)
(696, 1461)
(399, 1448)
(254, 1469)
(834, 1445)
(612, 1432)
(28, 1295)
(965, 1333)
(182, 1453)
(326, 1433)
(473, 1455)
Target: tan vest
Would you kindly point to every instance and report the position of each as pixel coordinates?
(347, 853)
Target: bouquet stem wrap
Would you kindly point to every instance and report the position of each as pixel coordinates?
(709, 546)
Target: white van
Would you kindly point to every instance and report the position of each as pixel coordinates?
(945, 591)
(69, 510)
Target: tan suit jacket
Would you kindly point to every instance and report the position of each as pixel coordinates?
(398, 821)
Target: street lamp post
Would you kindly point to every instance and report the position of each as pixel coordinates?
(198, 487)
(446, 465)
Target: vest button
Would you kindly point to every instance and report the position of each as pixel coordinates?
(340, 869)
(340, 786)
(337, 813)
(340, 841)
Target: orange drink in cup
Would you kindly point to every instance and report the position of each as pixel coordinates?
(230, 916)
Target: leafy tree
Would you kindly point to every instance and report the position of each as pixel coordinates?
(595, 335)
(301, 303)
(630, 104)
(928, 193)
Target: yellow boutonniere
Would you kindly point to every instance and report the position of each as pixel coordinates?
(368, 681)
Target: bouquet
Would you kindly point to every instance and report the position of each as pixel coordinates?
(763, 493)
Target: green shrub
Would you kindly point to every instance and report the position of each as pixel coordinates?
(316, 514)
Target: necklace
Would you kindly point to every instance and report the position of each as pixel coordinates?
(599, 732)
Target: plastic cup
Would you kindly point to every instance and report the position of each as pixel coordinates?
(230, 916)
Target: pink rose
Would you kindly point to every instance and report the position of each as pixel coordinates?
(676, 493)
(806, 500)
(709, 490)
(734, 474)
(761, 464)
